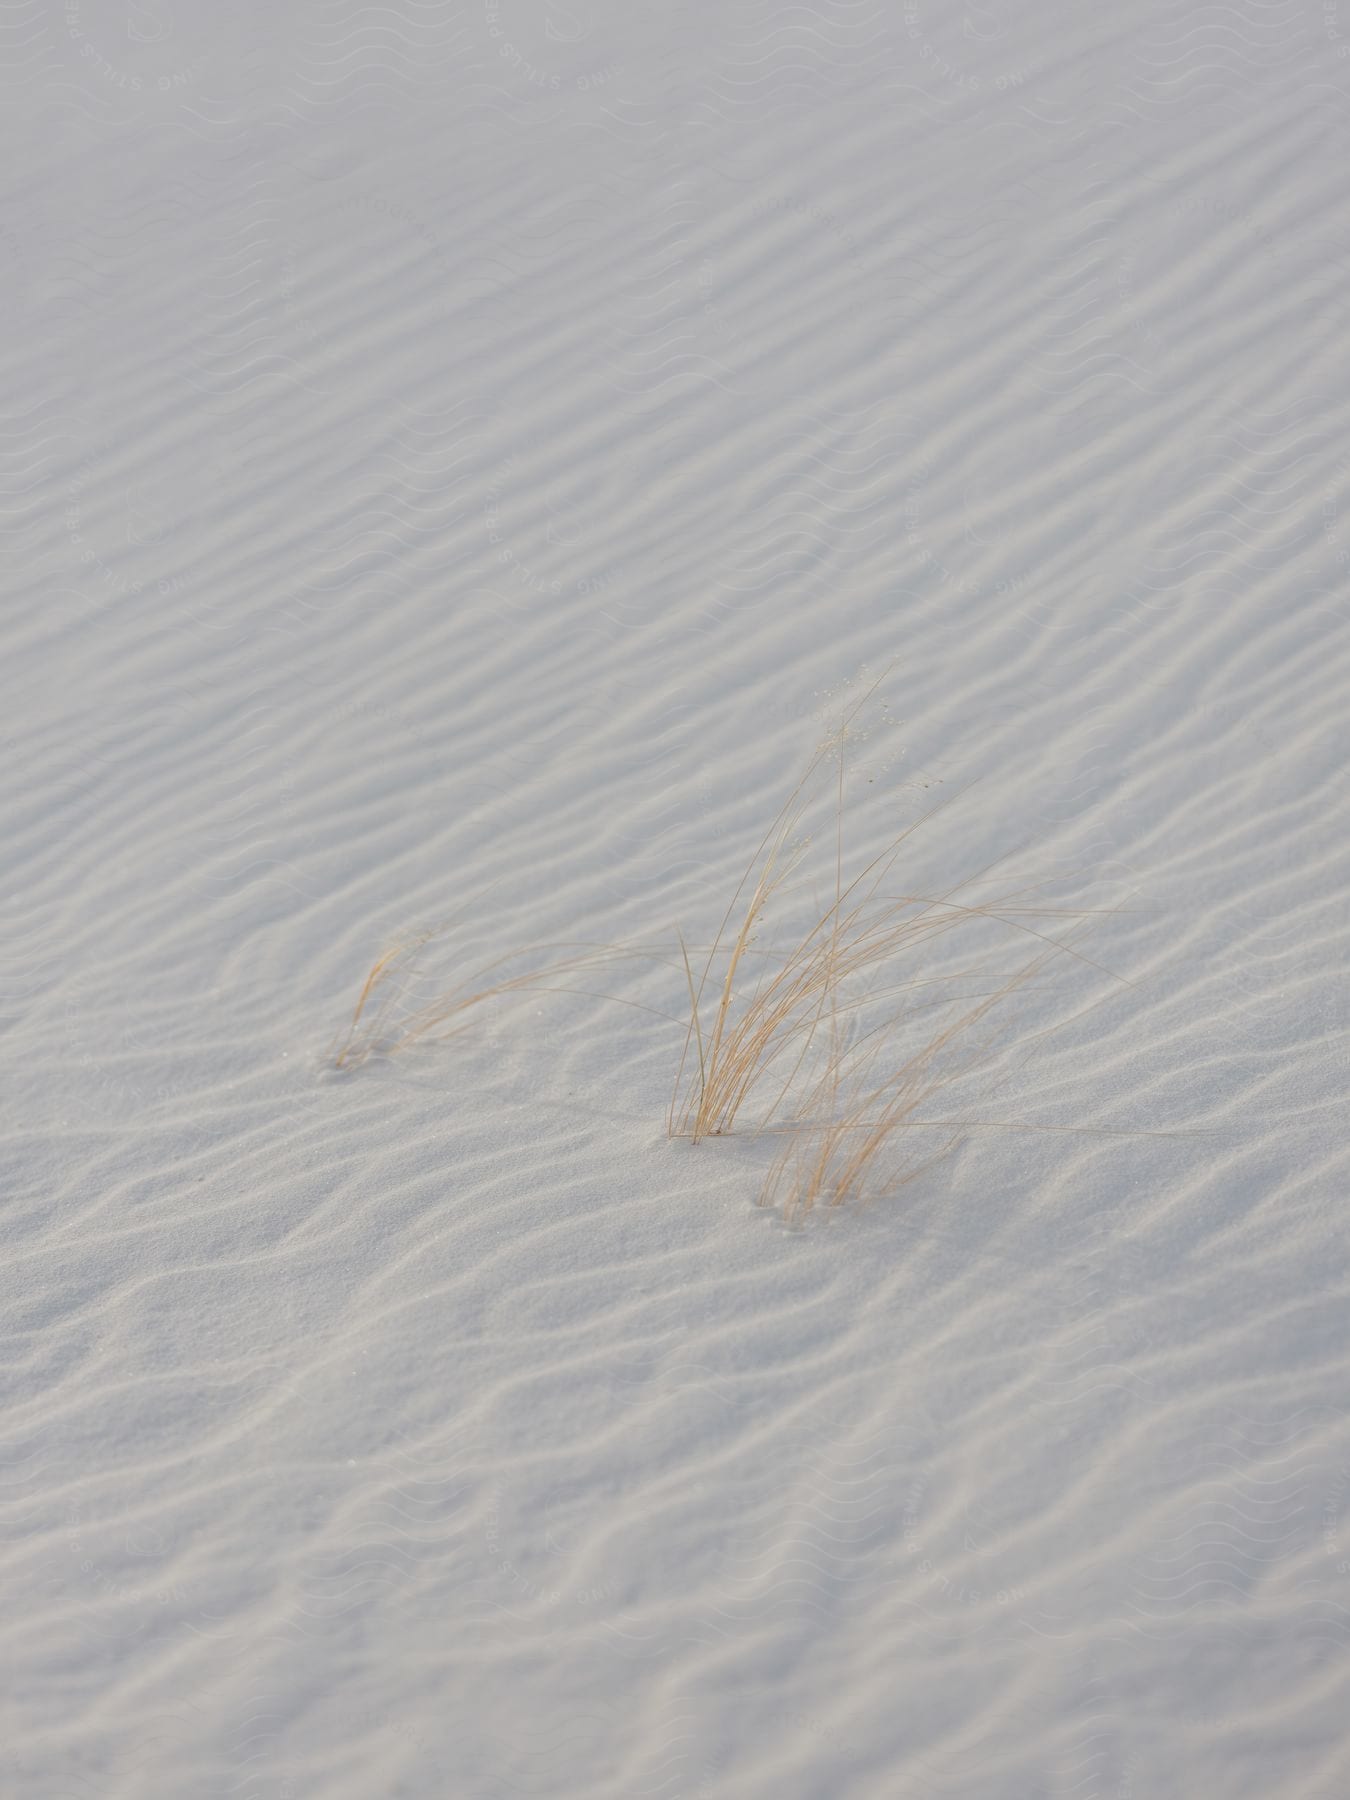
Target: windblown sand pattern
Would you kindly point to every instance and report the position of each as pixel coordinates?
(457, 461)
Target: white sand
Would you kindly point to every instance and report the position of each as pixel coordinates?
(453, 460)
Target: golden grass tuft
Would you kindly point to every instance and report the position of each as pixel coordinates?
(383, 1025)
(784, 1041)
(845, 1151)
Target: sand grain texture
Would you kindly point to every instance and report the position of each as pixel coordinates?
(454, 462)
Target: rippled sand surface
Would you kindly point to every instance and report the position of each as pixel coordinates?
(455, 462)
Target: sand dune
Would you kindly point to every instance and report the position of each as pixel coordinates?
(455, 464)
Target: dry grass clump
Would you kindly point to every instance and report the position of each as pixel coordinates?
(845, 1150)
(387, 1021)
(811, 1036)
